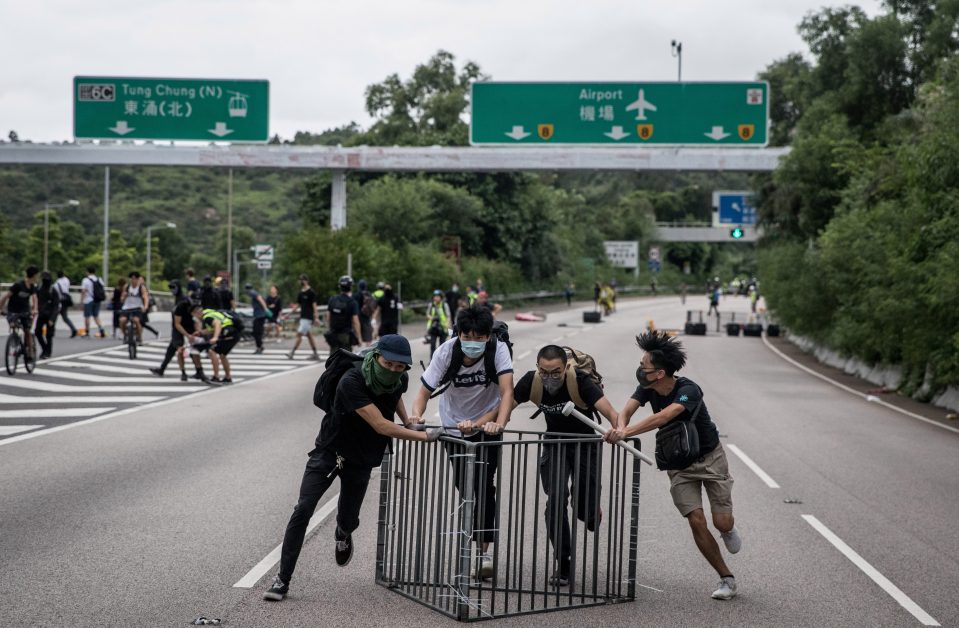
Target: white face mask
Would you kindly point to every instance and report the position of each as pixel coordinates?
(473, 348)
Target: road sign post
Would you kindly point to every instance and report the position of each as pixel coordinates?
(170, 109)
(700, 114)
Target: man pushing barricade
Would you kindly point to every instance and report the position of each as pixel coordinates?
(687, 447)
(360, 398)
(564, 375)
(473, 371)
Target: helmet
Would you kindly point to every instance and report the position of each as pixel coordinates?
(437, 293)
(345, 282)
(380, 285)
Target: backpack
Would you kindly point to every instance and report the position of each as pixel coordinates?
(236, 318)
(339, 362)
(340, 317)
(500, 333)
(369, 305)
(99, 294)
(575, 361)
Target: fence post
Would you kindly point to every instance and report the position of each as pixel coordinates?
(467, 499)
(633, 529)
(381, 529)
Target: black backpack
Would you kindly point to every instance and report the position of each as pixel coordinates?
(237, 320)
(340, 308)
(499, 334)
(99, 294)
(339, 362)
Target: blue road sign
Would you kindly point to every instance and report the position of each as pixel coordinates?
(734, 208)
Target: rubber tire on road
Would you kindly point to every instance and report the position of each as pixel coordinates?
(592, 317)
(30, 357)
(12, 353)
(733, 329)
(131, 342)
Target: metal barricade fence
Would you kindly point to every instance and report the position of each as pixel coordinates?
(530, 496)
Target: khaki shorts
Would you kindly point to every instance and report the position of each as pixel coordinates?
(712, 472)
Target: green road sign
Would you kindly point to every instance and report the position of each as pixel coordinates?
(170, 109)
(701, 114)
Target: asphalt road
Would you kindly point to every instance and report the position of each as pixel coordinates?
(152, 516)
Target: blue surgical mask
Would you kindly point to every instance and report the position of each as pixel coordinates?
(473, 348)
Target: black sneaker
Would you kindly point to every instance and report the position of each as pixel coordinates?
(344, 547)
(226, 380)
(559, 579)
(258, 350)
(277, 590)
(157, 372)
(183, 376)
(215, 379)
(199, 376)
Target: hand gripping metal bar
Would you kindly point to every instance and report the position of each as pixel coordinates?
(570, 410)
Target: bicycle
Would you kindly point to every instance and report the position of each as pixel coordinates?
(130, 338)
(17, 347)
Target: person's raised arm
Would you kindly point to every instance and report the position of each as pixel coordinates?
(650, 423)
(505, 405)
(419, 405)
(217, 327)
(607, 410)
(371, 414)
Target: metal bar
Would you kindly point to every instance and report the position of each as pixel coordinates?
(570, 410)
(633, 532)
(466, 500)
(381, 527)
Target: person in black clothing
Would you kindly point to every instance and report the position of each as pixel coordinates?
(48, 309)
(352, 439)
(208, 295)
(453, 300)
(680, 399)
(366, 306)
(561, 463)
(224, 296)
(23, 305)
(116, 303)
(192, 285)
(343, 318)
(275, 304)
(260, 315)
(183, 330)
(309, 316)
(388, 312)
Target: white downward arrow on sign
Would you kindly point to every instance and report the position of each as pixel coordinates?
(121, 128)
(616, 133)
(717, 133)
(517, 133)
(220, 129)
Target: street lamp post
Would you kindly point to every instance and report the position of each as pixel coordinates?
(46, 225)
(168, 225)
(678, 53)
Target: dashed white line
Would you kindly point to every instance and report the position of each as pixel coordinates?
(7, 430)
(49, 413)
(556, 339)
(771, 483)
(904, 600)
(523, 355)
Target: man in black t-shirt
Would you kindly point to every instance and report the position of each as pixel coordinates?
(680, 399)
(183, 331)
(561, 463)
(343, 318)
(23, 306)
(388, 312)
(352, 439)
(306, 303)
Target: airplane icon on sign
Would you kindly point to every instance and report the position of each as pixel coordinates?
(640, 105)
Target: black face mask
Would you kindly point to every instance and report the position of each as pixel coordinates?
(643, 378)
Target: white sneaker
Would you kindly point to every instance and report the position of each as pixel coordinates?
(485, 570)
(733, 541)
(726, 590)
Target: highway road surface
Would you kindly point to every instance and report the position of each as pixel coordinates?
(155, 501)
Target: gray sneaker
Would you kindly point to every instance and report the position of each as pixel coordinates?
(733, 541)
(726, 590)
(485, 568)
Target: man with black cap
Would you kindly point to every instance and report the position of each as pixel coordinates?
(353, 437)
(343, 318)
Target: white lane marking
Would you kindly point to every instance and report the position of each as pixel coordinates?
(7, 430)
(70, 356)
(523, 355)
(650, 588)
(925, 618)
(556, 339)
(234, 356)
(771, 483)
(856, 392)
(35, 385)
(253, 576)
(89, 366)
(143, 364)
(47, 413)
(586, 329)
(132, 409)
(570, 335)
(35, 401)
(86, 377)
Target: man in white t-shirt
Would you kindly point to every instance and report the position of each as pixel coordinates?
(91, 306)
(474, 406)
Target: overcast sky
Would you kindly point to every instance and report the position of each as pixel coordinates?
(319, 56)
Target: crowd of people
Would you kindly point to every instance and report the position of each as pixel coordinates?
(472, 374)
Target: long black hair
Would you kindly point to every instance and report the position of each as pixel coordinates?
(665, 352)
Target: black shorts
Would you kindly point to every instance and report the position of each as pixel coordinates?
(24, 318)
(225, 344)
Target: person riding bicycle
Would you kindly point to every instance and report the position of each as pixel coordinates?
(134, 297)
(437, 321)
(23, 306)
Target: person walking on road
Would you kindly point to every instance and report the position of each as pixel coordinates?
(66, 301)
(437, 321)
(367, 308)
(92, 294)
(183, 330)
(566, 468)
(275, 304)
(116, 303)
(388, 312)
(48, 309)
(309, 316)
(680, 399)
(343, 318)
(353, 437)
(474, 372)
(260, 315)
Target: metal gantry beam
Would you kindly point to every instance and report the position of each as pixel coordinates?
(399, 159)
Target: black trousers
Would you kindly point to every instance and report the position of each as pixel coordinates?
(484, 482)
(388, 327)
(66, 319)
(48, 319)
(437, 337)
(561, 464)
(339, 341)
(318, 477)
(258, 325)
